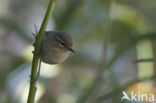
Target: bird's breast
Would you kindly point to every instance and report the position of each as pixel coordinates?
(54, 56)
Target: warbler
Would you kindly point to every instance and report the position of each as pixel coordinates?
(56, 47)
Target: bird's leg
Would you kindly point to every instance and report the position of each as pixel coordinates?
(38, 73)
(36, 31)
(36, 78)
(35, 34)
(36, 52)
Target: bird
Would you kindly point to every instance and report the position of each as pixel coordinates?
(56, 47)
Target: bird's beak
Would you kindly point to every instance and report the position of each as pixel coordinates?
(72, 50)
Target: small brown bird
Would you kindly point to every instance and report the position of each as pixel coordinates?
(56, 47)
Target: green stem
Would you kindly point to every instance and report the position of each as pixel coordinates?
(145, 60)
(91, 93)
(32, 89)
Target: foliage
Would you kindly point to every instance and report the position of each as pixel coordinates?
(105, 33)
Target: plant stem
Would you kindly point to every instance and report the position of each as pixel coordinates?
(91, 93)
(145, 60)
(32, 89)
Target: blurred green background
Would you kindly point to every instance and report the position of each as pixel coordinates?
(110, 37)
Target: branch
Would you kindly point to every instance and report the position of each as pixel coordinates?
(145, 60)
(118, 90)
(95, 87)
(32, 89)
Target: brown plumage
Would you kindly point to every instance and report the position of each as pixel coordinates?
(56, 47)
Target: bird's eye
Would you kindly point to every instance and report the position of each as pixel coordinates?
(61, 44)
